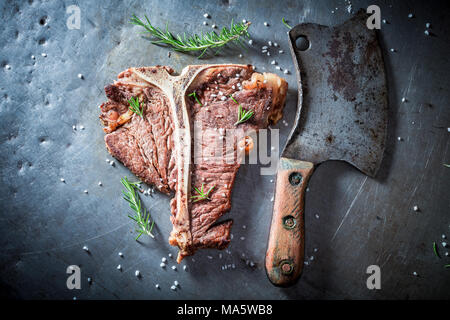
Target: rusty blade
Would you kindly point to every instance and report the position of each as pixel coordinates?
(343, 100)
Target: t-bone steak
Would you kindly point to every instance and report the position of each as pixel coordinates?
(186, 141)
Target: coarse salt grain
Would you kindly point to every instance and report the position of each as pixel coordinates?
(173, 288)
(250, 42)
(174, 268)
(266, 24)
(416, 208)
(85, 248)
(206, 15)
(214, 26)
(137, 273)
(62, 180)
(120, 254)
(119, 267)
(80, 76)
(162, 265)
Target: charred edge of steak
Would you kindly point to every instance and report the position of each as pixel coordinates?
(265, 94)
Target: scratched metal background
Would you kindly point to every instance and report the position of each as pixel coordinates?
(352, 220)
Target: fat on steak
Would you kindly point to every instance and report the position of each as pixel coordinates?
(185, 142)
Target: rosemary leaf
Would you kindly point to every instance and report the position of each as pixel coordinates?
(447, 266)
(447, 165)
(136, 106)
(141, 215)
(202, 195)
(243, 115)
(194, 94)
(285, 23)
(202, 42)
(435, 250)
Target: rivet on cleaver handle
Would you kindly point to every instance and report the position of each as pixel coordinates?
(286, 248)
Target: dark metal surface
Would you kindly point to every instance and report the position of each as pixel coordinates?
(353, 221)
(343, 101)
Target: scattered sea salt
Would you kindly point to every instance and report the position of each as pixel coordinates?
(416, 208)
(162, 265)
(184, 267)
(316, 216)
(414, 274)
(174, 268)
(175, 283)
(137, 273)
(85, 191)
(80, 76)
(164, 259)
(157, 286)
(205, 23)
(214, 26)
(120, 254)
(286, 71)
(410, 15)
(206, 15)
(100, 183)
(119, 267)
(62, 180)
(173, 288)
(280, 51)
(43, 54)
(250, 42)
(85, 248)
(266, 24)
(427, 33)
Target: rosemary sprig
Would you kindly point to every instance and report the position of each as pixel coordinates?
(202, 195)
(435, 250)
(285, 23)
(447, 266)
(141, 215)
(196, 42)
(136, 107)
(446, 165)
(243, 115)
(194, 94)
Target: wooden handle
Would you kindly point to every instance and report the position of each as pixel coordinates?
(286, 248)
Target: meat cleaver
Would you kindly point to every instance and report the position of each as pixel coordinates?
(341, 115)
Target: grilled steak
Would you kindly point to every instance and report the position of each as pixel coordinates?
(184, 143)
